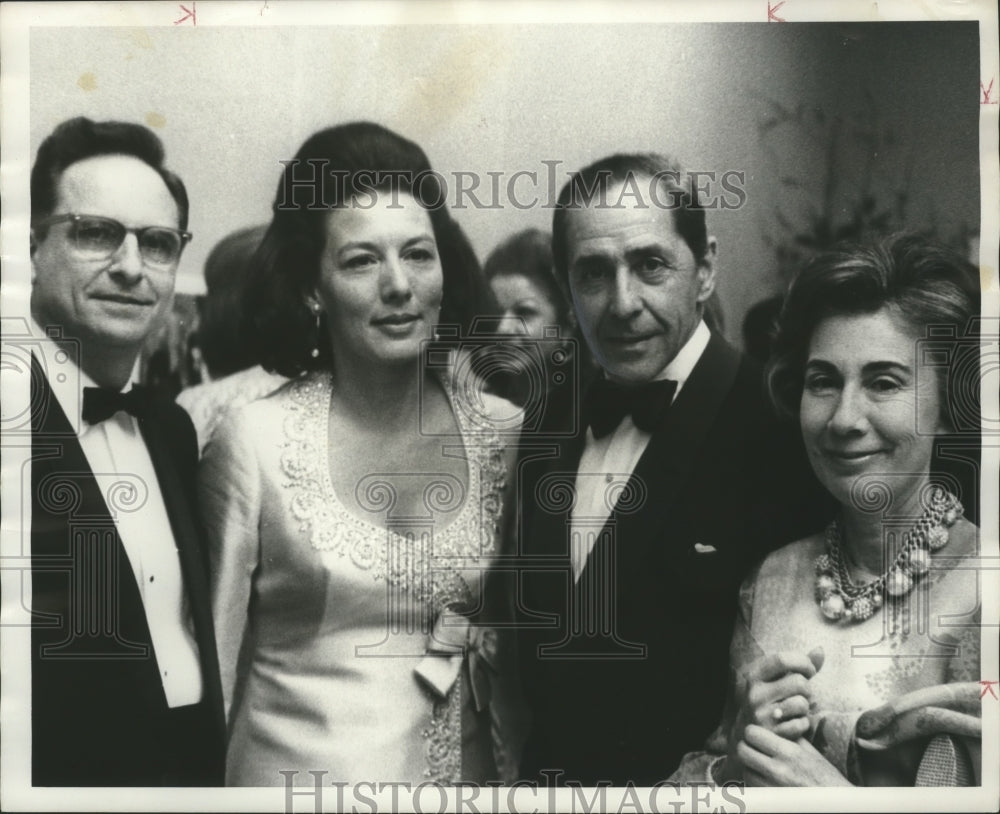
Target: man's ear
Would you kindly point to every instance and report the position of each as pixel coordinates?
(706, 270)
(32, 245)
(563, 286)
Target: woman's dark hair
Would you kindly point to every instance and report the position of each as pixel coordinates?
(333, 167)
(221, 323)
(678, 191)
(529, 254)
(927, 284)
(80, 138)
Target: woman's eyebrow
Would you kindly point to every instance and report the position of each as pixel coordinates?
(885, 365)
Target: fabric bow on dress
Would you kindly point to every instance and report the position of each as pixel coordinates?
(453, 641)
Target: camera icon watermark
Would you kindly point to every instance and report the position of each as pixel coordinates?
(80, 566)
(477, 365)
(929, 599)
(965, 364)
(59, 364)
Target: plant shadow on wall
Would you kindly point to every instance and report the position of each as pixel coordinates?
(855, 184)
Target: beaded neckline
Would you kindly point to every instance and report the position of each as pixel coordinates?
(379, 549)
(440, 535)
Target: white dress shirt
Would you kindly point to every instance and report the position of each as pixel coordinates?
(124, 472)
(607, 463)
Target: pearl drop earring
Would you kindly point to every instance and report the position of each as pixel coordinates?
(314, 353)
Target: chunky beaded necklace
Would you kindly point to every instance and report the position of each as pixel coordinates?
(841, 600)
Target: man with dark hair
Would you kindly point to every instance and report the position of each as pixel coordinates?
(634, 538)
(125, 682)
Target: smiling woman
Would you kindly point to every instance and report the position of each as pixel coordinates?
(870, 404)
(868, 353)
(354, 513)
(540, 337)
(380, 283)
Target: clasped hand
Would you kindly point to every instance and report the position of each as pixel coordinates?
(767, 743)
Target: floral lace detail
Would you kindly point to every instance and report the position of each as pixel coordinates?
(331, 527)
(444, 740)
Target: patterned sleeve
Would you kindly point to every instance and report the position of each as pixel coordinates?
(950, 711)
(229, 493)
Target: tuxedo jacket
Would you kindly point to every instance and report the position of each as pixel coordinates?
(99, 712)
(625, 670)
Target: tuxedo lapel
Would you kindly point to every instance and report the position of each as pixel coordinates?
(550, 495)
(100, 714)
(672, 451)
(156, 435)
(67, 501)
(181, 509)
(662, 579)
(676, 444)
(57, 454)
(548, 487)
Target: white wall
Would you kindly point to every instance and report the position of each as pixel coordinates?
(230, 102)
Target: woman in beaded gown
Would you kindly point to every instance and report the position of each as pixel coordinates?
(353, 513)
(855, 656)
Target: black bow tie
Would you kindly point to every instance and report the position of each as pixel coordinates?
(608, 402)
(100, 403)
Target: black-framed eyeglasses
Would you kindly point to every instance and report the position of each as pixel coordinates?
(99, 238)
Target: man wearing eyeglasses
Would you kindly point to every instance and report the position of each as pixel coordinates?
(125, 684)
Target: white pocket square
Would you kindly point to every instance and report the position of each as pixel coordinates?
(701, 548)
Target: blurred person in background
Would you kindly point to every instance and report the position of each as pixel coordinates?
(234, 377)
(531, 369)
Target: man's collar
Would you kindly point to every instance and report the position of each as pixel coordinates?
(680, 367)
(62, 371)
(65, 376)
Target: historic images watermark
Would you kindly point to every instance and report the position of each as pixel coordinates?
(313, 185)
(423, 798)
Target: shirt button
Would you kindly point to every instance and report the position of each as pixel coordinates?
(608, 478)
